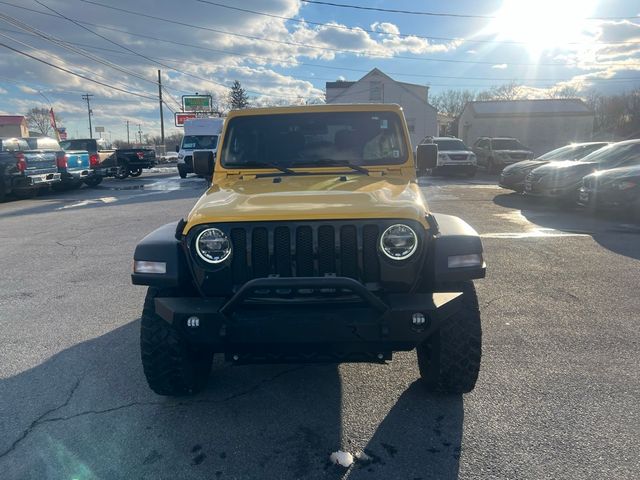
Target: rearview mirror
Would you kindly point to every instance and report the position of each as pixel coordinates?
(203, 163)
(426, 157)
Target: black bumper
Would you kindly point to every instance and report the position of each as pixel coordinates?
(308, 319)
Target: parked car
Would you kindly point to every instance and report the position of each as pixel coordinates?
(109, 162)
(169, 157)
(325, 250)
(23, 171)
(453, 156)
(199, 134)
(618, 188)
(73, 165)
(562, 180)
(496, 153)
(512, 177)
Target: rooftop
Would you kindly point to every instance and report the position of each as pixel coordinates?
(542, 106)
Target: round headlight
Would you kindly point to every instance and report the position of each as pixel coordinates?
(213, 245)
(398, 242)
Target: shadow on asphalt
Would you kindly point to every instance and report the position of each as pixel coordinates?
(109, 196)
(612, 231)
(87, 412)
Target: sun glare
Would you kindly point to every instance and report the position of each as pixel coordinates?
(542, 25)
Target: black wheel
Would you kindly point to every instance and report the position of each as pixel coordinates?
(122, 172)
(136, 172)
(449, 360)
(181, 172)
(93, 181)
(172, 366)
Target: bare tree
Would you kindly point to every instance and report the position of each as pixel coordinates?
(452, 102)
(38, 120)
(566, 91)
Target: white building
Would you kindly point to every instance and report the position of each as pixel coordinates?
(541, 125)
(377, 87)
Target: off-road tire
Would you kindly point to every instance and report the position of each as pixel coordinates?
(172, 366)
(449, 360)
(181, 172)
(93, 181)
(136, 172)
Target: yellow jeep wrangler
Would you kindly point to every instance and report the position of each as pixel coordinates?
(313, 244)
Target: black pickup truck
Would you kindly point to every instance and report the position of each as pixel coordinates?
(109, 162)
(23, 171)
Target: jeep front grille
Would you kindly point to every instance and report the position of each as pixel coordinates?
(305, 250)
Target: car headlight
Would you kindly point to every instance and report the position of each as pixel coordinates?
(398, 242)
(180, 156)
(213, 245)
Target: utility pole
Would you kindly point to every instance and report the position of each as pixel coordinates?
(128, 141)
(86, 97)
(161, 116)
(140, 134)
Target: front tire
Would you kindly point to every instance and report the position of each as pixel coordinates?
(171, 365)
(122, 172)
(182, 172)
(449, 360)
(135, 172)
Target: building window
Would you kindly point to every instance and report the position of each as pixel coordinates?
(375, 91)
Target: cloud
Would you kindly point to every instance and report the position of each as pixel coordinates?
(29, 90)
(499, 66)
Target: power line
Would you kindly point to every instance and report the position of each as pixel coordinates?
(71, 72)
(335, 50)
(294, 62)
(433, 14)
(393, 34)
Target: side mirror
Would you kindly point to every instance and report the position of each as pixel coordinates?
(426, 157)
(177, 148)
(203, 162)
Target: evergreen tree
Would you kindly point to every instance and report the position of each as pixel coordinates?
(238, 98)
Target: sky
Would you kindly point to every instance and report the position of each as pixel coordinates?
(284, 51)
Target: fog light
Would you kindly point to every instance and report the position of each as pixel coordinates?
(462, 261)
(418, 319)
(193, 322)
(143, 266)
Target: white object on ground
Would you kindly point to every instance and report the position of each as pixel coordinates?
(344, 459)
(363, 457)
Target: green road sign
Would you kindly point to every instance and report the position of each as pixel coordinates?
(192, 103)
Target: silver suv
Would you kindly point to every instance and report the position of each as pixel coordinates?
(496, 153)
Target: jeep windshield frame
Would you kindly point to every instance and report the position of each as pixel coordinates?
(351, 139)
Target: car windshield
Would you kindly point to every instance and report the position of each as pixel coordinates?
(314, 139)
(199, 142)
(572, 152)
(89, 145)
(451, 145)
(507, 144)
(614, 155)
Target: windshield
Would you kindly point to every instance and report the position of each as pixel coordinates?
(88, 145)
(199, 142)
(507, 144)
(572, 152)
(614, 155)
(451, 145)
(314, 139)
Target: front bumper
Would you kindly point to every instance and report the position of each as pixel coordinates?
(609, 198)
(537, 189)
(302, 319)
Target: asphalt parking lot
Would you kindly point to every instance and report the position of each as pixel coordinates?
(557, 395)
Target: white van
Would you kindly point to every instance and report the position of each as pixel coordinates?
(199, 134)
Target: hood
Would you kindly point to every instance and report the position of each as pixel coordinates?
(456, 152)
(528, 152)
(632, 172)
(524, 165)
(565, 171)
(309, 197)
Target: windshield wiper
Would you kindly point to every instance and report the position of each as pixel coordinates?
(342, 163)
(277, 166)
